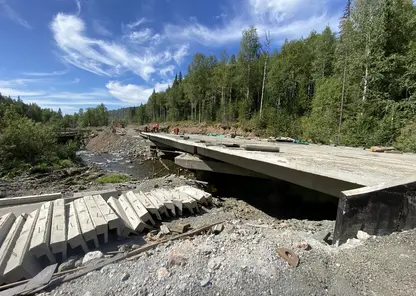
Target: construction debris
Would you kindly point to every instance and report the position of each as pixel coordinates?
(262, 148)
(382, 149)
(289, 256)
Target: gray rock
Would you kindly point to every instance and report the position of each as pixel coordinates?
(92, 256)
(215, 263)
(125, 276)
(205, 282)
(68, 264)
(78, 263)
(361, 235)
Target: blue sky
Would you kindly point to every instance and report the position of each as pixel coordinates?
(73, 54)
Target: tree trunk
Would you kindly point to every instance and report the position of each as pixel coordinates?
(222, 104)
(262, 87)
(365, 82)
(341, 111)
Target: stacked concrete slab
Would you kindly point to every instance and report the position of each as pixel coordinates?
(30, 241)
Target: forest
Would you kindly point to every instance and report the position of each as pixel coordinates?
(355, 86)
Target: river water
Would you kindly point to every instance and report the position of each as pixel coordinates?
(116, 163)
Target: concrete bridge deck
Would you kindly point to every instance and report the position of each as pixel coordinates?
(323, 168)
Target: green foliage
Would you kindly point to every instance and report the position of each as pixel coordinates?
(406, 141)
(113, 178)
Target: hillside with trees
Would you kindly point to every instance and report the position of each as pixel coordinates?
(355, 86)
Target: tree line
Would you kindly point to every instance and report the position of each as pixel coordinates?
(355, 86)
(28, 138)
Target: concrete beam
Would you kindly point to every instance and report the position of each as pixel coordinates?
(192, 162)
(22, 264)
(186, 201)
(148, 205)
(139, 208)
(100, 224)
(134, 220)
(110, 217)
(58, 242)
(125, 226)
(161, 208)
(75, 238)
(85, 222)
(6, 222)
(106, 194)
(9, 242)
(377, 210)
(39, 245)
(20, 200)
(197, 194)
(167, 201)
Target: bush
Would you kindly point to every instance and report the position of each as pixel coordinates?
(113, 178)
(406, 141)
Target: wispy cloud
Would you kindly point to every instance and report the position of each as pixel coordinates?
(13, 15)
(78, 3)
(283, 18)
(133, 93)
(99, 28)
(136, 23)
(42, 74)
(167, 70)
(107, 58)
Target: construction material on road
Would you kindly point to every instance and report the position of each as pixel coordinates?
(20, 200)
(289, 256)
(263, 148)
(46, 232)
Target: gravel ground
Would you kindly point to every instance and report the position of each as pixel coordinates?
(242, 260)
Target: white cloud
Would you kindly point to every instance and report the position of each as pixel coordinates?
(283, 18)
(167, 70)
(181, 53)
(102, 57)
(99, 28)
(78, 3)
(41, 74)
(141, 36)
(137, 23)
(13, 92)
(13, 15)
(133, 93)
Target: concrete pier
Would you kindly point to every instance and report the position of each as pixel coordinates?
(148, 205)
(21, 263)
(58, 242)
(201, 196)
(162, 208)
(39, 245)
(167, 201)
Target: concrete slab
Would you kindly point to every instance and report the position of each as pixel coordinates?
(75, 238)
(6, 222)
(193, 162)
(58, 242)
(322, 168)
(100, 224)
(156, 202)
(85, 222)
(22, 264)
(9, 201)
(377, 210)
(110, 217)
(39, 245)
(125, 226)
(9, 243)
(134, 220)
(166, 200)
(197, 194)
(148, 205)
(140, 209)
(106, 194)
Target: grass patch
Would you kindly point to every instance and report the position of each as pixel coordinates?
(113, 178)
